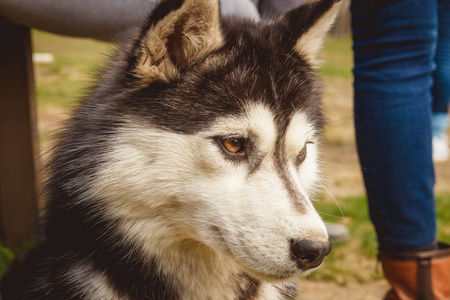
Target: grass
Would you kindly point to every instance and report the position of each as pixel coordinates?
(338, 58)
(355, 259)
(62, 82)
(6, 256)
(443, 217)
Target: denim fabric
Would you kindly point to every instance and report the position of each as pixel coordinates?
(441, 87)
(394, 46)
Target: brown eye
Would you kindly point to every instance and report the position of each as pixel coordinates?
(302, 154)
(234, 145)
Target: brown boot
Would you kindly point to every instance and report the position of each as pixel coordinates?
(418, 275)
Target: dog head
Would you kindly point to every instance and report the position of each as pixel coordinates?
(210, 126)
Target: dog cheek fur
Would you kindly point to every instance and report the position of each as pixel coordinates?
(146, 168)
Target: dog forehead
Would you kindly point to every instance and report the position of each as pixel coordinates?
(256, 120)
(246, 73)
(261, 122)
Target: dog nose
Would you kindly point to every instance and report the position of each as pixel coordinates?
(309, 254)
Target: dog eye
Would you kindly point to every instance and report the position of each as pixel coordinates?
(234, 145)
(302, 154)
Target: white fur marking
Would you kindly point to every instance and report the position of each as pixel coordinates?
(301, 133)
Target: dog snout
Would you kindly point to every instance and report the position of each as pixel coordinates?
(309, 254)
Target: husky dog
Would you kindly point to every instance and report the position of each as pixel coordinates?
(186, 174)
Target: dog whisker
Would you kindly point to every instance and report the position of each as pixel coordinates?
(333, 164)
(331, 195)
(328, 215)
(339, 120)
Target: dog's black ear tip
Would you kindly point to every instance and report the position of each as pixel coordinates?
(325, 1)
(334, 2)
(309, 24)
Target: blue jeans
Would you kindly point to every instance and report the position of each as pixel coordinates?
(394, 49)
(441, 87)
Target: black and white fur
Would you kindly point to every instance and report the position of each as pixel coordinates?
(145, 201)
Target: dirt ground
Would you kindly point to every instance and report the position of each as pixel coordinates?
(352, 291)
(342, 179)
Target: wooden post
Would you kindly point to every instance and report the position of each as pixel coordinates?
(18, 135)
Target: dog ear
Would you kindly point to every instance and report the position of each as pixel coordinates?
(307, 26)
(177, 34)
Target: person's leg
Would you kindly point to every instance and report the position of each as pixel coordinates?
(394, 45)
(441, 87)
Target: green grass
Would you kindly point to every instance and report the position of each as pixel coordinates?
(338, 58)
(82, 54)
(356, 258)
(63, 82)
(443, 218)
(6, 256)
(355, 216)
